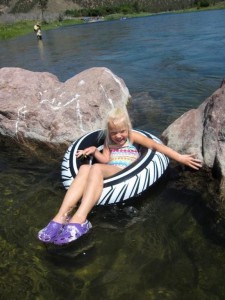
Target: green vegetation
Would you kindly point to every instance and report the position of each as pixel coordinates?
(8, 31)
(108, 12)
(11, 30)
(151, 7)
(107, 7)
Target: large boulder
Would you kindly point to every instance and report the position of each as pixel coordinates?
(202, 131)
(36, 109)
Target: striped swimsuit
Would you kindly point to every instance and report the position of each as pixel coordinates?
(122, 157)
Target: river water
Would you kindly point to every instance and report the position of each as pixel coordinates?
(160, 246)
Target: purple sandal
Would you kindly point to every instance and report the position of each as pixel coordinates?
(71, 232)
(50, 232)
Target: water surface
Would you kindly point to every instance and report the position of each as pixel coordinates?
(171, 61)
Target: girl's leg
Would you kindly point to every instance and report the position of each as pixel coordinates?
(87, 185)
(74, 194)
(93, 190)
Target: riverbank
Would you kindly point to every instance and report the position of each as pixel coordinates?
(20, 28)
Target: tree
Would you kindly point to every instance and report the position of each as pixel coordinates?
(42, 4)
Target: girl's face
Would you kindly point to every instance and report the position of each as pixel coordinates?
(118, 133)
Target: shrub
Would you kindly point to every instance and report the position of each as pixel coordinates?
(23, 6)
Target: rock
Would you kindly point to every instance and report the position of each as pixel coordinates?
(37, 110)
(182, 135)
(202, 131)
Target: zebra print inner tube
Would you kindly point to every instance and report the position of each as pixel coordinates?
(129, 182)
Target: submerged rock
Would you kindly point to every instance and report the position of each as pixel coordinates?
(37, 110)
(202, 131)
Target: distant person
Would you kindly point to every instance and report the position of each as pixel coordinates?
(37, 30)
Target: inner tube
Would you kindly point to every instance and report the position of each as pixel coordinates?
(129, 182)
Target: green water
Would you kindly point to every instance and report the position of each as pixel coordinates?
(160, 246)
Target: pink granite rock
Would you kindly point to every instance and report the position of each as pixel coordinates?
(37, 109)
(202, 131)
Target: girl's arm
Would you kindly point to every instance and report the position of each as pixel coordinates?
(186, 159)
(100, 157)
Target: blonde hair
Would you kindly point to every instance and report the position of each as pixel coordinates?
(117, 117)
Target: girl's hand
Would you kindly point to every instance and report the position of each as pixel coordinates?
(190, 161)
(88, 151)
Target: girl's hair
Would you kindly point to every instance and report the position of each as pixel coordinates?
(117, 117)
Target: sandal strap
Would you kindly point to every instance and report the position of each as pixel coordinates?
(80, 230)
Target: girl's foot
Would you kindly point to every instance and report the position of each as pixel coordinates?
(71, 232)
(50, 232)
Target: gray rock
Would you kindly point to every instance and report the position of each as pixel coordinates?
(37, 109)
(202, 131)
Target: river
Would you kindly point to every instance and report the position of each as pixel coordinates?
(161, 246)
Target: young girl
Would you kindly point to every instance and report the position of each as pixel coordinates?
(118, 152)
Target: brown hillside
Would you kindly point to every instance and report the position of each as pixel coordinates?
(54, 6)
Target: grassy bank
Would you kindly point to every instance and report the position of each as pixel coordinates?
(20, 28)
(8, 31)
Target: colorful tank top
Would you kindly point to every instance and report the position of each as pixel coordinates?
(122, 157)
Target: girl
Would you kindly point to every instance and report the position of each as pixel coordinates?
(118, 152)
